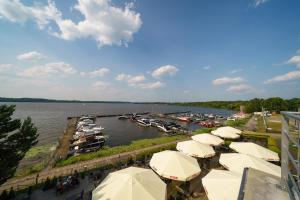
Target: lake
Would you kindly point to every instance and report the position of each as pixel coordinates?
(51, 118)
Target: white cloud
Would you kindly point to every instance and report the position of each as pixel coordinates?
(136, 79)
(97, 73)
(100, 85)
(236, 71)
(207, 67)
(151, 85)
(165, 70)
(5, 67)
(285, 77)
(31, 56)
(131, 79)
(123, 77)
(102, 21)
(58, 68)
(242, 88)
(295, 60)
(227, 80)
(259, 2)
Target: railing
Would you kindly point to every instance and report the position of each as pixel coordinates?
(290, 153)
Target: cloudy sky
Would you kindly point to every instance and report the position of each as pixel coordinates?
(149, 50)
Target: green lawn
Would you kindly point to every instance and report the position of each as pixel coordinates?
(34, 151)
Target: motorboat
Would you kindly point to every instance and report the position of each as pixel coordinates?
(164, 128)
(144, 122)
(155, 122)
(123, 117)
(183, 119)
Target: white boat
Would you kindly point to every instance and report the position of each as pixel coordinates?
(164, 128)
(144, 122)
(122, 117)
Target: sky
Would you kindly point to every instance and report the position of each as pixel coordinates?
(150, 50)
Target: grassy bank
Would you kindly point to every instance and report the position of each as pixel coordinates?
(43, 149)
(135, 145)
(109, 151)
(238, 122)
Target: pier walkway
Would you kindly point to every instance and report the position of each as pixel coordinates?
(23, 182)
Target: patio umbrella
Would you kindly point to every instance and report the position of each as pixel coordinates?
(195, 149)
(131, 184)
(225, 133)
(236, 162)
(222, 184)
(231, 129)
(255, 150)
(209, 139)
(175, 165)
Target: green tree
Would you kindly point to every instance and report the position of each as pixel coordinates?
(16, 138)
(254, 105)
(276, 104)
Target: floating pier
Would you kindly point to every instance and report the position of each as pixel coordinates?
(113, 115)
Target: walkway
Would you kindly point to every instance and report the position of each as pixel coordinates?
(23, 182)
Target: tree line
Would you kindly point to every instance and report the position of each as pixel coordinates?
(274, 104)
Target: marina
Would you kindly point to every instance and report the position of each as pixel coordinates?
(89, 137)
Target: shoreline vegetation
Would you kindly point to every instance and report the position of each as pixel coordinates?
(109, 151)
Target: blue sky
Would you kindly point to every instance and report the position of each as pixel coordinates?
(171, 50)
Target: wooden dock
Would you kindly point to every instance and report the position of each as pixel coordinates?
(112, 115)
(64, 142)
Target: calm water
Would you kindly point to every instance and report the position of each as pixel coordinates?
(51, 118)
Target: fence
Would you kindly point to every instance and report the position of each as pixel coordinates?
(290, 153)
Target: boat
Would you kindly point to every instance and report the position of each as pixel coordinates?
(183, 119)
(123, 117)
(144, 122)
(207, 124)
(164, 128)
(155, 122)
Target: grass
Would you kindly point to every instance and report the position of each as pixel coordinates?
(34, 151)
(203, 130)
(109, 151)
(30, 170)
(238, 122)
(271, 142)
(275, 127)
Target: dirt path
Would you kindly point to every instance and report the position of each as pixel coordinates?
(23, 182)
(251, 124)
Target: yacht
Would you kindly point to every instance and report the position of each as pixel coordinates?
(122, 117)
(144, 122)
(164, 128)
(155, 122)
(183, 119)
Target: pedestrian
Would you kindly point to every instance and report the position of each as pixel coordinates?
(81, 195)
(37, 179)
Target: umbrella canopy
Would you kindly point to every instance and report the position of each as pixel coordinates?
(175, 165)
(236, 162)
(209, 139)
(195, 149)
(255, 150)
(231, 129)
(129, 184)
(225, 133)
(222, 184)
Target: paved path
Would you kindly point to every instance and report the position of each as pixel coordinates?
(23, 182)
(251, 125)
